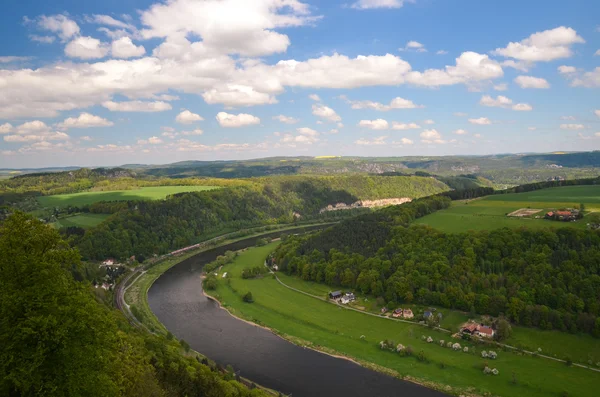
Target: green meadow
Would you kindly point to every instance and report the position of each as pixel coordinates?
(82, 220)
(490, 212)
(144, 193)
(310, 321)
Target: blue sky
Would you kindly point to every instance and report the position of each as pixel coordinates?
(115, 82)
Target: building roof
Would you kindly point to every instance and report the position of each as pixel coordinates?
(427, 314)
(563, 213)
(485, 330)
(336, 293)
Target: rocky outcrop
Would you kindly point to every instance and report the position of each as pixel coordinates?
(366, 204)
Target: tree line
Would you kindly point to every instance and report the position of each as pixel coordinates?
(548, 279)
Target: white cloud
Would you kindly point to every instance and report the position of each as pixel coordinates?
(531, 82)
(567, 118)
(85, 120)
(369, 4)
(31, 126)
(413, 46)
(372, 142)
(404, 126)
(597, 134)
(460, 114)
(153, 140)
(504, 102)
(542, 46)
(480, 121)
(42, 39)
(470, 69)
(564, 69)
(315, 97)
(572, 127)
(597, 112)
(248, 30)
(431, 136)
(11, 59)
(477, 135)
(236, 95)
(64, 27)
(403, 141)
(137, 106)
(396, 103)
(588, 79)
(307, 131)
(38, 136)
(187, 117)
(110, 21)
(378, 124)
(428, 122)
(340, 125)
(460, 132)
(441, 52)
(124, 48)
(518, 65)
(236, 120)
(86, 138)
(85, 47)
(286, 119)
(196, 131)
(305, 136)
(501, 87)
(325, 112)
(532, 128)
(6, 128)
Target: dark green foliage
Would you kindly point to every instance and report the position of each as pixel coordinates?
(253, 272)
(542, 278)
(248, 297)
(503, 330)
(210, 282)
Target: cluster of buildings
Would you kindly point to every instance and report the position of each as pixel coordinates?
(563, 215)
(479, 330)
(403, 313)
(341, 297)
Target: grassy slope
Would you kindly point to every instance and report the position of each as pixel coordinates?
(323, 324)
(82, 220)
(489, 212)
(145, 193)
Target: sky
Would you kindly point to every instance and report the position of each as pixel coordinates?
(134, 81)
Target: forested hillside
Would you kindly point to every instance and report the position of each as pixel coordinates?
(548, 279)
(58, 340)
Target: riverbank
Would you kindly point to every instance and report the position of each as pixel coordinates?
(319, 324)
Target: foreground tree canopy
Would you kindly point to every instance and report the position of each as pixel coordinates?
(544, 278)
(58, 340)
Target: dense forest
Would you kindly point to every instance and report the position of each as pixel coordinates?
(58, 340)
(543, 278)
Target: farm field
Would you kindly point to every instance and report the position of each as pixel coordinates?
(309, 321)
(82, 220)
(490, 212)
(144, 193)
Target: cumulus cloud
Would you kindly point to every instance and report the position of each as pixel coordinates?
(372, 142)
(305, 136)
(460, 132)
(61, 25)
(86, 47)
(597, 53)
(325, 112)
(441, 52)
(369, 4)
(378, 124)
(597, 112)
(572, 127)
(403, 141)
(315, 97)
(32, 131)
(501, 87)
(396, 103)
(542, 46)
(404, 126)
(6, 128)
(42, 39)
(137, 106)
(564, 69)
(85, 120)
(504, 102)
(428, 122)
(187, 117)
(431, 136)
(588, 79)
(414, 46)
(286, 119)
(460, 114)
(531, 82)
(236, 120)
(124, 48)
(480, 121)
(236, 95)
(518, 65)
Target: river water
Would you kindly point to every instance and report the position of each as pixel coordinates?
(177, 300)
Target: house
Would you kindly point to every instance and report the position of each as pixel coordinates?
(397, 313)
(348, 297)
(485, 331)
(475, 329)
(384, 310)
(108, 262)
(568, 215)
(408, 313)
(469, 328)
(335, 295)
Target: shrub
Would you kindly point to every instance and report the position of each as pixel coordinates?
(495, 371)
(248, 298)
(449, 344)
(456, 346)
(492, 355)
(466, 349)
(429, 339)
(408, 350)
(442, 343)
(487, 370)
(484, 354)
(421, 356)
(400, 348)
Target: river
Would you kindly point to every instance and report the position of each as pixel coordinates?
(177, 300)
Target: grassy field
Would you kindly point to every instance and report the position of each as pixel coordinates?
(323, 325)
(82, 220)
(490, 212)
(144, 193)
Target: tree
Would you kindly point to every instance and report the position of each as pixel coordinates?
(503, 329)
(56, 339)
(248, 297)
